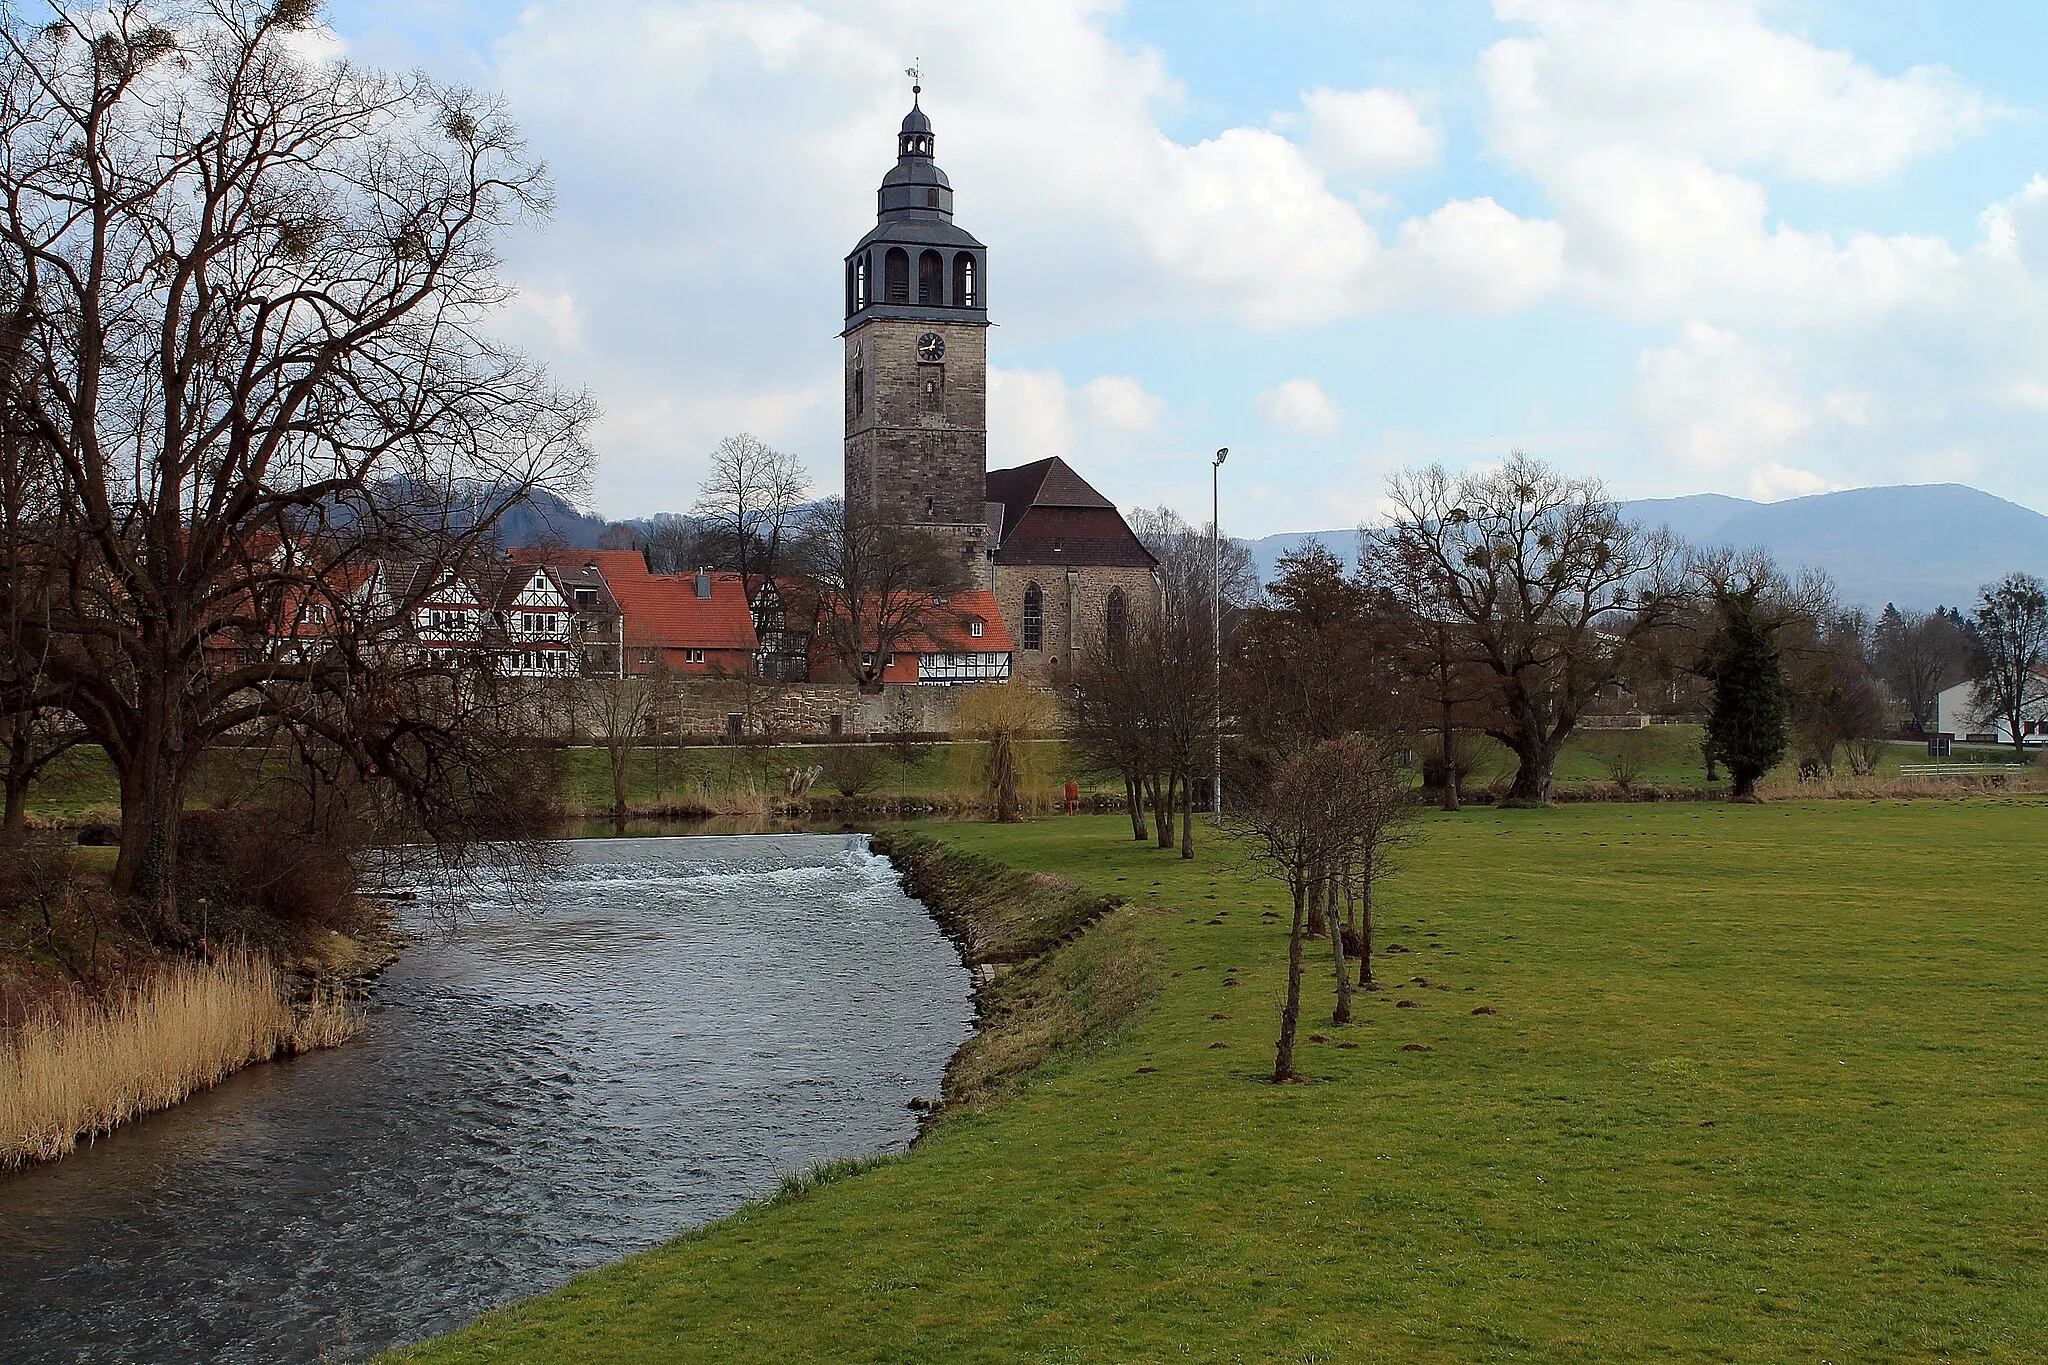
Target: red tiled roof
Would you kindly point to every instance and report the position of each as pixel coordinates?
(949, 630)
(663, 610)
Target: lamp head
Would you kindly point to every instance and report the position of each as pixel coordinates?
(1222, 455)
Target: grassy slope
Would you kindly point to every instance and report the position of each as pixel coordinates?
(83, 780)
(1853, 1003)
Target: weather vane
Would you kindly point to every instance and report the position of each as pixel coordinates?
(916, 73)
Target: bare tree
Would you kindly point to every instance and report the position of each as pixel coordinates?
(2012, 641)
(673, 544)
(254, 292)
(1332, 805)
(618, 710)
(1918, 654)
(751, 498)
(878, 584)
(1445, 692)
(1547, 585)
(1111, 723)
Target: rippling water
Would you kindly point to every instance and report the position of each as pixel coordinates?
(684, 1021)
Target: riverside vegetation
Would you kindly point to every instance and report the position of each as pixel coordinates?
(1677, 1081)
(82, 1070)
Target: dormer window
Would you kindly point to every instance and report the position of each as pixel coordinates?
(974, 629)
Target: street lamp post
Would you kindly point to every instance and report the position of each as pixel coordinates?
(1216, 622)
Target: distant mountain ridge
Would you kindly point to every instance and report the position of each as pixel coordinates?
(1916, 545)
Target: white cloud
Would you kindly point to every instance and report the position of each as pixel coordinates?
(1710, 76)
(1372, 132)
(1775, 481)
(1644, 120)
(1119, 401)
(1299, 406)
(555, 315)
(1475, 255)
(1715, 399)
(1028, 417)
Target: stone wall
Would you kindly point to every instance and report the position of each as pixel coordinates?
(917, 447)
(705, 709)
(1076, 606)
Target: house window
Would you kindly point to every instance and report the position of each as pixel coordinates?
(586, 597)
(974, 629)
(733, 721)
(1034, 617)
(835, 724)
(867, 658)
(693, 656)
(646, 656)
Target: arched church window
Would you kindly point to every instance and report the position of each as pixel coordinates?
(860, 283)
(963, 280)
(1114, 616)
(860, 392)
(1034, 617)
(896, 275)
(930, 277)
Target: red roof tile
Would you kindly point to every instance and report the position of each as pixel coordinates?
(664, 610)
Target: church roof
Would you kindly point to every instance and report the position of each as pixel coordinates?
(1051, 515)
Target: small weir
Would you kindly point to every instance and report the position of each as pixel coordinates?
(538, 1092)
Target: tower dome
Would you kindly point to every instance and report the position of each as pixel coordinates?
(916, 260)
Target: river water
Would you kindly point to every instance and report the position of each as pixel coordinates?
(539, 1091)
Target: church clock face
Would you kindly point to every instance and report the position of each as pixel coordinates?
(931, 348)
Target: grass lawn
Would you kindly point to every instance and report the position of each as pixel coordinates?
(1765, 1084)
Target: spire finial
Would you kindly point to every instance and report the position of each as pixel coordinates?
(916, 73)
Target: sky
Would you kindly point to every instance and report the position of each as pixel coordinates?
(1756, 247)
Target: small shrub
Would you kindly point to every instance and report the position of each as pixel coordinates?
(1865, 755)
(853, 768)
(1626, 758)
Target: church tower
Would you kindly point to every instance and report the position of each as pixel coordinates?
(917, 356)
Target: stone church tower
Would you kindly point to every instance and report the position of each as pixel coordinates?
(917, 357)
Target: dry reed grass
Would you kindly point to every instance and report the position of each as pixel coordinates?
(86, 1070)
(2022, 783)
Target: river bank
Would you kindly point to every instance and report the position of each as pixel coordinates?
(101, 1025)
(660, 1031)
(1635, 1043)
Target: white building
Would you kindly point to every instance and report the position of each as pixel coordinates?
(1958, 711)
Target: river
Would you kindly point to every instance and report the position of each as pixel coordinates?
(678, 1024)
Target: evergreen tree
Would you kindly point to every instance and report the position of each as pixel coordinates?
(1749, 721)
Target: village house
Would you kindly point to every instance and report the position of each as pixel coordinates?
(687, 624)
(1959, 714)
(957, 638)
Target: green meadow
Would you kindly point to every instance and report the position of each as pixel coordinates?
(1764, 1083)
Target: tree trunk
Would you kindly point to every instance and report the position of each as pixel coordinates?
(1318, 887)
(1162, 809)
(1134, 801)
(619, 758)
(1535, 761)
(19, 750)
(1187, 819)
(1745, 779)
(1450, 763)
(152, 805)
(15, 828)
(1290, 1015)
(1342, 1014)
(1365, 981)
